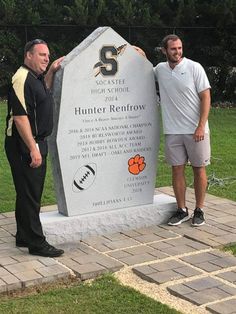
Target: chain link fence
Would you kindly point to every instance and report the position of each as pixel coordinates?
(215, 49)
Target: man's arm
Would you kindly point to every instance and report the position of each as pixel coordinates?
(24, 129)
(205, 98)
(55, 66)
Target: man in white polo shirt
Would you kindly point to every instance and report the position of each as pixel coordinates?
(185, 103)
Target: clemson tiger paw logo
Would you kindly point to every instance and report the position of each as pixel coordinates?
(136, 164)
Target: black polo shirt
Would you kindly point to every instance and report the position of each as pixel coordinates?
(29, 96)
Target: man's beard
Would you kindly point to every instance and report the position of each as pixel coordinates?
(172, 60)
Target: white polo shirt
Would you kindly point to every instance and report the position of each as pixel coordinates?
(179, 95)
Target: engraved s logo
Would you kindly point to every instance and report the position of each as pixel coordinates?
(108, 57)
(108, 65)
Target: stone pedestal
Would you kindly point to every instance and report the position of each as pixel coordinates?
(60, 229)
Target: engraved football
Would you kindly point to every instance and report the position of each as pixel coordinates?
(84, 177)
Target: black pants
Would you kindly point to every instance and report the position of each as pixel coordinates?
(29, 184)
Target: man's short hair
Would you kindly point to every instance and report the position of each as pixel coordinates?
(165, 40)
(30, 45)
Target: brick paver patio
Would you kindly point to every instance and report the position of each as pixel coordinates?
(185, 260)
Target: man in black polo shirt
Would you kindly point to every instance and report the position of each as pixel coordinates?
(29, 122)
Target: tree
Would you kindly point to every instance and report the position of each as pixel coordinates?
(207, 28)
(8, 12)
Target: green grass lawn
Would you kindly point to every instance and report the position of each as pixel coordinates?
(222, 170)
(230, 248)
(103, 296)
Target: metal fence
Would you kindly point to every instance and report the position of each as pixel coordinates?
(214, 48)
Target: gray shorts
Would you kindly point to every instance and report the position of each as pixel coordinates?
(181, 148)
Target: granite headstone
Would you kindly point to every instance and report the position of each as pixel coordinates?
(106, 130)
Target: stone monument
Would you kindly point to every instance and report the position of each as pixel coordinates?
(104, 146)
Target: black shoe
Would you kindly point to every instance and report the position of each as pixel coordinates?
(198, 217)
(21, 243)
(179, 217)
(46, 250)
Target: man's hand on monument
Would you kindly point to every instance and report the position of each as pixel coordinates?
(139, 50)
(55, 66)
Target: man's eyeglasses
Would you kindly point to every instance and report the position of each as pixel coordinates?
(30, 44)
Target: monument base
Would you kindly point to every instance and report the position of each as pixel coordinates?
(61, 229)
